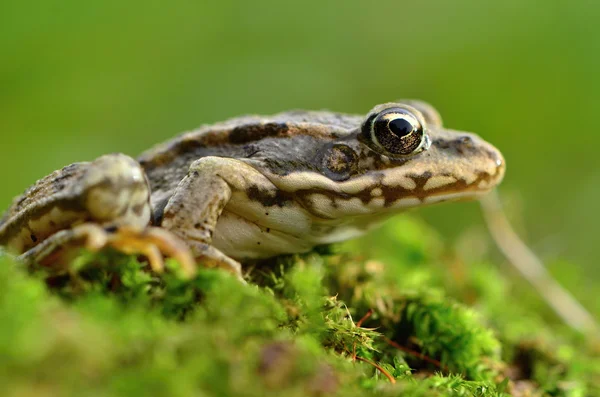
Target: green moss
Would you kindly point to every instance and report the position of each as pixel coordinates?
(111, 328)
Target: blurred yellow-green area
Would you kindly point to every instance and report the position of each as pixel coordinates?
(79, 79)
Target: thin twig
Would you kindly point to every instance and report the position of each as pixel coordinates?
(383, 371)
(532, 268)
(358, 324)
(416, 354)
(364, 318)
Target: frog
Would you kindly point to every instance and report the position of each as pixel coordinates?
(254, 187)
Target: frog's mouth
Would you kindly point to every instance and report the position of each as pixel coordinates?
(446, 173)
(432, 189)
(457, 166)
(376, 193)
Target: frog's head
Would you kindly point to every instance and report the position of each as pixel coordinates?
(399, 156)
(421, 161)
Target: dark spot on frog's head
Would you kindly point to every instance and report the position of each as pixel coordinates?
(266, 197)
(254, 132)
(33, 238)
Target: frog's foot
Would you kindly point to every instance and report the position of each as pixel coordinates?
(209, 256)
(151, 242)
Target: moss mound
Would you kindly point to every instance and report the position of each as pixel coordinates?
(415, 321)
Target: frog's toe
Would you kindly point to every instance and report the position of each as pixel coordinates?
(209, 256)
(153, 243)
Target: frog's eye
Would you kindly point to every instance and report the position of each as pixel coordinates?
(399, 132)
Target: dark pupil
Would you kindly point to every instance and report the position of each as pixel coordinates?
(400, 127)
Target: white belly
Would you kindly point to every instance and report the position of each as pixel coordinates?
(240, 238)
(271, 235)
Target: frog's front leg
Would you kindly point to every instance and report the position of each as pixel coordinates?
(193, 210)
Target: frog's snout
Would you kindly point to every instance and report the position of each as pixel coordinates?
(116, 190)
(479, 162)
(497, 164)
(500, 164)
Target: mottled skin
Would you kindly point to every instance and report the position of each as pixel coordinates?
(256, 186)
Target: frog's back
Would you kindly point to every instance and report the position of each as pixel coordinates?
(241, 137)
(49, 186)
(51, 204)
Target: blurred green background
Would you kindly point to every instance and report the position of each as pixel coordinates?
(79, 79)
